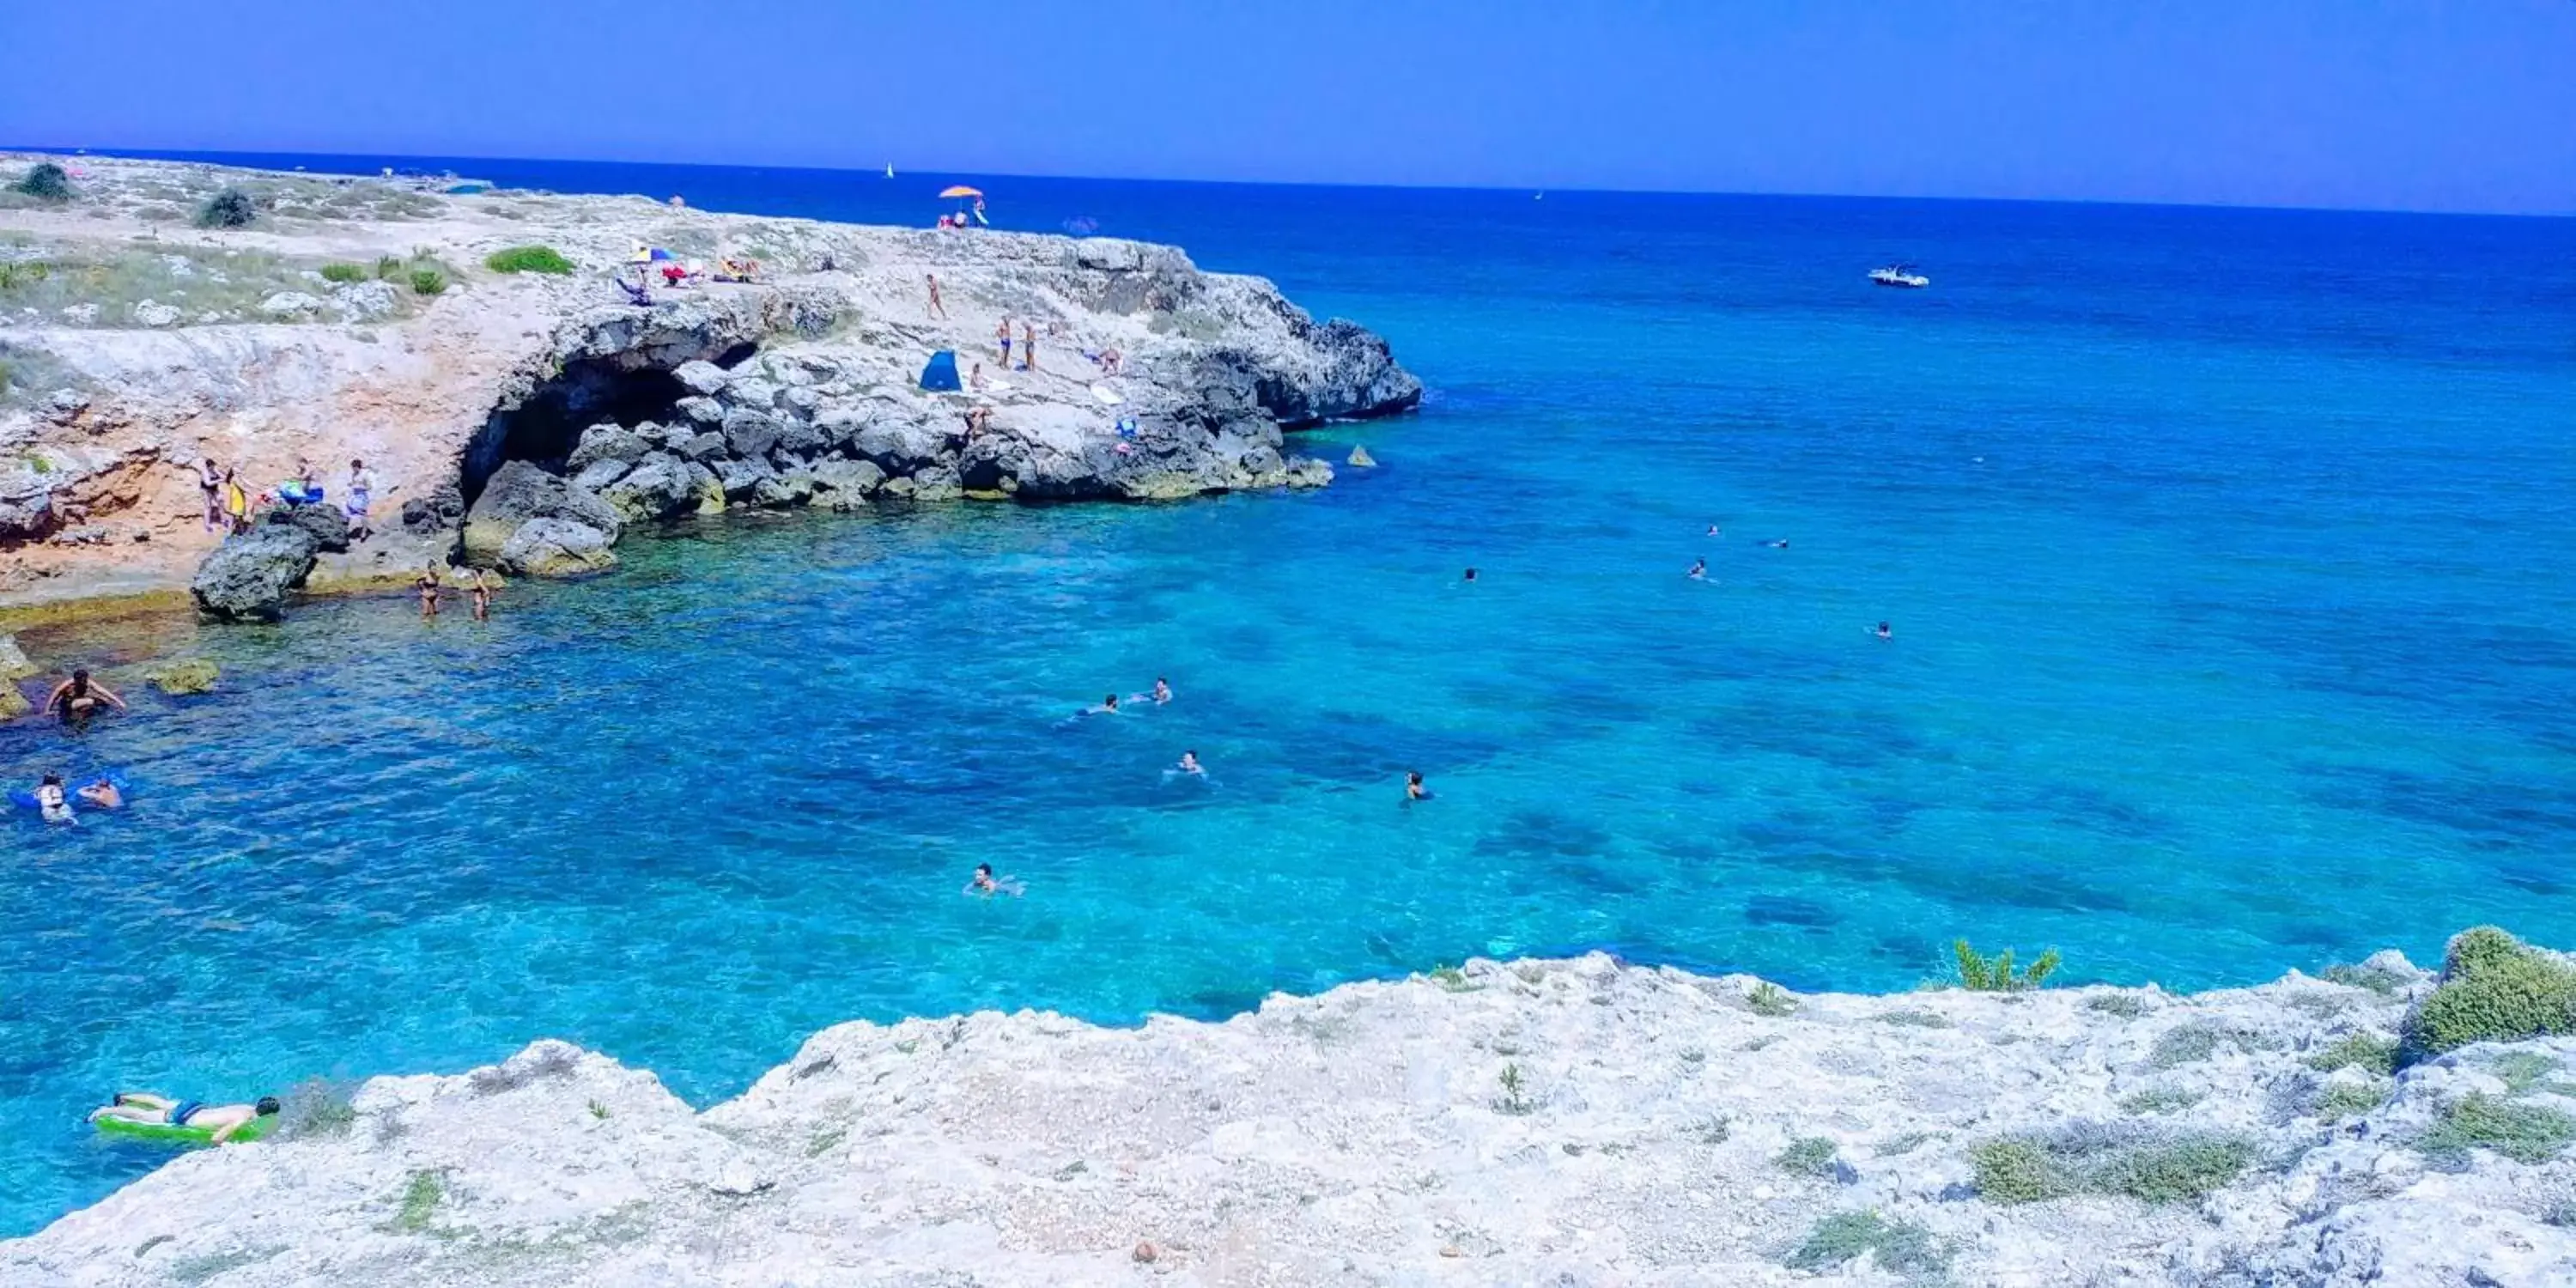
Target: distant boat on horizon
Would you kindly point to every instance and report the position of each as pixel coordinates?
(1899, 275)
(889, 169)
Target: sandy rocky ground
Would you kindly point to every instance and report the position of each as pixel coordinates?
(1563, 1123)
(136, 342)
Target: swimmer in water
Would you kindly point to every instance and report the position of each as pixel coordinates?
(482, 588)
(102, 794)
(1885, 631)
(1108, 706)
(1781, 544)
(1162, 691)
(50, 802)
(77, 698)
(1699, 570)
(1413, 788)
(988, 885)
(1190, 764)
(1713, 531)
(1471, 574)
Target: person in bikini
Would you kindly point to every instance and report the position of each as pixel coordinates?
(223, 1120)
(427, 585)
(210, 480)
(482, 589)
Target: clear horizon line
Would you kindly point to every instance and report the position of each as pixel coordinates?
(148, 153)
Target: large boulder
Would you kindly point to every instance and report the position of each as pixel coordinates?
(901, 446)
(436, 511)
(606, 442)
(661, 486)
(700, 410)
(800, 441)
(750, 433)
(248, 577)
(701, 377)
(843, 484)
(324, 523)
(520, 492)
(742, 477)
(552, 547)
(751, 393)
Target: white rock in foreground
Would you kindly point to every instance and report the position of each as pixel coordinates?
(1558, 1123)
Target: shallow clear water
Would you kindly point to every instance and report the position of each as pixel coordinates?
(2226, 553)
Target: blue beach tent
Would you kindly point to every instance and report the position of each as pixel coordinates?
(941, 374)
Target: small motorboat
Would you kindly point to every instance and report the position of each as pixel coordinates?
(1899, 275)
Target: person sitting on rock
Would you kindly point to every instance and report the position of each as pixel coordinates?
(77, 698)
(223, 1120)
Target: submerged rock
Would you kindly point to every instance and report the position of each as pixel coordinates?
(183, 676)
(1360, 459)
(13, 660)
(248, 577)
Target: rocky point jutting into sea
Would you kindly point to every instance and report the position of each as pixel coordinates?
(1573, 1123)
(524, 421)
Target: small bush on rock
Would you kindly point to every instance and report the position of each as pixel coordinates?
(2368, 1052)
(2160, 1100)
(1807, 1156)
(388, 268)
(2372, 978)
(230, 208)
(2494, 989)
(2525, 1133)
(2189, 1044)
(1982, 974)
(2141, 1163)
(2342, 1100)
(1899, 1247)
(2127, 1006)
(46, 182)
(2520, 1071)
(427, 281)
(1770, 1000)
(528, 259)
(344, 272)
(314, 1108)
(420, 1201)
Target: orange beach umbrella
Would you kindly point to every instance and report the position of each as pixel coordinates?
(960, 190)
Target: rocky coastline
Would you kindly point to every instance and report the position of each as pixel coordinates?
(1574, 1123)
(525, 422)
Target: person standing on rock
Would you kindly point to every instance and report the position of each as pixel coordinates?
(362, 488)
(1028, 347)
(1002, 340)
(937, 309)
(236, 505)
(210, 481)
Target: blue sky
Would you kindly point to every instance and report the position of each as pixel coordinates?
(2428, 104)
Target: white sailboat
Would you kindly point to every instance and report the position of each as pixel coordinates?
(889, 169)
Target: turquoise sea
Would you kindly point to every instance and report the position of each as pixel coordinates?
(2227, 552)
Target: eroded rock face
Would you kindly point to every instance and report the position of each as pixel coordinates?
(248, 577)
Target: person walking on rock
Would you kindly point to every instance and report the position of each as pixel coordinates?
(1002, 340)
(1028, 347)
(362, 489)
(937, 309)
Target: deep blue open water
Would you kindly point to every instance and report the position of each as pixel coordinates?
(2228, 555)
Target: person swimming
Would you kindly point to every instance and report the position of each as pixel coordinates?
(50, 802)
(1885, 631)
(1190, 764)
(77, 698)
(1471, 575)
(1162, 691)
(1781, 544)
(1699, 570)
(103, 794)
(1108, 706)
(1413, 788)
(1714, 532)
(988, 885)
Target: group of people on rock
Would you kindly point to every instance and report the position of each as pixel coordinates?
(229, 505)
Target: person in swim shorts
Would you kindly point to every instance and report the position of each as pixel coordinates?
(223, 1120)
(362, 489)
(77, 698)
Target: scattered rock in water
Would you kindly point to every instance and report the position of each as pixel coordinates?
(13, 701)
(183, 676)
(1360, 458)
